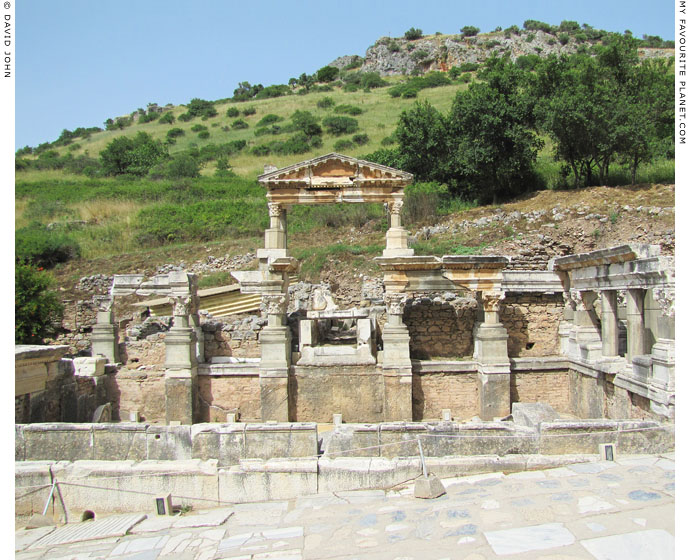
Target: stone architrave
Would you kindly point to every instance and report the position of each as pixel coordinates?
(275, 340)
(491, 354)
(104, 337)
(397, 366)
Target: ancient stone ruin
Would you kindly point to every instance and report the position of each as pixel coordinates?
(458, 347)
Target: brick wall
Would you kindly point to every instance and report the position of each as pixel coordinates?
(141, 390)
(220, 395)
(550, 387)
(432, 392)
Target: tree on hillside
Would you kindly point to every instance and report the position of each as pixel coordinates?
(37, 309)
(413, 33)
(132, 156)
(327, 74)
(469, 31)
(492, 146)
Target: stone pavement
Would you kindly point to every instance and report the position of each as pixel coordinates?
(604, 510)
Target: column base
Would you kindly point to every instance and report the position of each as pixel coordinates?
(396, 348)
(494, 392)
(180, 396)
(397, 395)
(104, 342)
(274, 396)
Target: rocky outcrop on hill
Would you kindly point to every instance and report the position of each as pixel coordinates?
(389, 55)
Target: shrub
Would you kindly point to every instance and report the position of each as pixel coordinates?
(348, 110)
(469, 31)
(204, 134)
(527, 61)
(273, 91)
(420, 55)
(564, 38)
(454, 72)
(148, 117)
(181, 166)
(342, 145)
(306, 122)
(530, 37)
(325, 103)
(327, 74)
(340, 125)
(37, 309)
(465, 78)
(185, 117)
(167, 118)
(357, 61)
(232, 112)
(238, 124)
(37, 245)
(349, 88)
(263, 130)
(413, 33)
(393, 46)
(269, 119)
(512, 30)
(249, 111)
(422, 201)
(372, 80)
(174, 133)
(261, 150)
(198, 128)
(534, 25)
(567, 26)
(469, 66)
(388, 141)
(201, 108)
(132, 156)
(360, 139)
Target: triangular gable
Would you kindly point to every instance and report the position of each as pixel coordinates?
(336, 170)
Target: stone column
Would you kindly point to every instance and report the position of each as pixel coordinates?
(396, 236)
(491, 354)
(566, 325)
(397, 366)
(585, 338)
(635, 317)
(195, 321)
(664, 350)
(275, 237)
(275, 340)
(609, 323)
(104, 334)
(180, 365)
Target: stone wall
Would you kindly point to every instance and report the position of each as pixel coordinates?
(232, 336)
(440, 326)
(316, 393)
(550, 387)
(532, 323)
(432, 392)
(220, 395)
(598, 397)
(141, 391)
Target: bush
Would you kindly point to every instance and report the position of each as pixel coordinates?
(167, 118)
(198, 128)
(564, 38)
(340, 125)
(249, 111)
(132, 156)
(534, 25)
(512, 30)
(343, 145)
(388, 141)
(37, 309)
(185, 117)
(201, 108)
(327, 74)
(232, 112)
(37, 245)
(181, 166)
(238, 124)
(527, 61)
(348, 110)
(174, 133)
(263, 130)
(469, 67)
(360, 139)
(204, 134)
(569, 26)
(413, 33)
(148, 117)
(469, 31)
(530, 37)
(325, 103)
(269, 119)
(306, 122)
(465, 78)
(422, 201)
(273, 91)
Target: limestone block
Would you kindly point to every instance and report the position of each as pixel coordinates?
(168, 443)
(224, 442)
(119, 442)
(344, 473)
(664, 364)
(396, 243)
(180, 397)
(274, 398)
(428, 487)
(581, 436)
(89, 366)
(407, 432)
(29, 476)
(128, 486)
(642, 368)
(397, 396)
(643, 436)
(19, 444)
(58, 442)
(494, 393)
(533, 414)
(266, 441)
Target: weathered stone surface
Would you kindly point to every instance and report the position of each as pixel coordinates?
(118, 442)
(65, 442)
(533, 414)
(428, 487)
(168, 443)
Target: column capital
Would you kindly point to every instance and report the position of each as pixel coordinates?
(276, 304)
(395, 303)
(274, 209)
(104, 303)
(395, 207)
(666, 298)
(492, 301)
(181, 304)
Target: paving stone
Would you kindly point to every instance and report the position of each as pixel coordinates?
(640, 545)
(666, 464)
(642, 496)
(207, 519)
(116, 525)
(284, 533)
(527, 475)
(154, 524)
(26, 537)
(560, 472)
(526, 539)
(596, 527)
(590, 504)
(590, 468)
(174, 542)
(234, 541)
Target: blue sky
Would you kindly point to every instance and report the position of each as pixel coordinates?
(82, 61)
